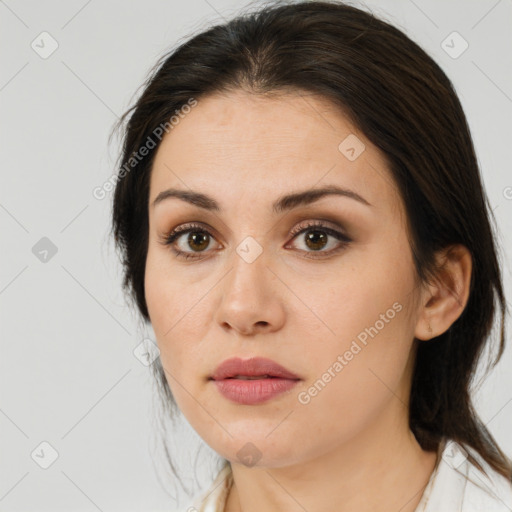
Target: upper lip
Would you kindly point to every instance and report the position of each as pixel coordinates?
(252, 367)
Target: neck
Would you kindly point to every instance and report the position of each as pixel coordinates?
(379, 469)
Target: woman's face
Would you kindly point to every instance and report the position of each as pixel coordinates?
(338, 311)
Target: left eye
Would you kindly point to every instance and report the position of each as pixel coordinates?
(317, 239)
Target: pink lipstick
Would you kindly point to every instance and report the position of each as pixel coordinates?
(252, 381)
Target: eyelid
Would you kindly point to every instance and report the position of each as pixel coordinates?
(321, 223)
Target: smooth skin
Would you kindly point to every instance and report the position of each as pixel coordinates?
(349, 448)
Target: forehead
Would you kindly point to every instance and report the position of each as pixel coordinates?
(239, 143)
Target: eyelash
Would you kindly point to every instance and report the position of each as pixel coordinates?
(169, 238)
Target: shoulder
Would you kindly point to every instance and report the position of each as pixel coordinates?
(214, 498)
(488, 490)
(460, 485)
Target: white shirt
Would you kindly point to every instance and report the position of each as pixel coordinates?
(456, 485)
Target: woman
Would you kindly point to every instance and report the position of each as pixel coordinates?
(302, 221)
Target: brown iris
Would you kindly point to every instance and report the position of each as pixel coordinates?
(198, 240)
(316, 239)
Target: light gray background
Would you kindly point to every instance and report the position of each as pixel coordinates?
(68, 373)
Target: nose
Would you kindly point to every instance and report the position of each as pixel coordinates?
(251, 297)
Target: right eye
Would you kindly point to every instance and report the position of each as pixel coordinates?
(198, 238)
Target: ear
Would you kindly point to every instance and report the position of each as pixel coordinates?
(444, 300)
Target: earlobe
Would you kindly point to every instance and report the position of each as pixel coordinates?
(446, 298)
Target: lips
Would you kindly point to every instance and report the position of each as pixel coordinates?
(253, 381)
(253, 368)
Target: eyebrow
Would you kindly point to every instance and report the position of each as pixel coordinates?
(282, 204)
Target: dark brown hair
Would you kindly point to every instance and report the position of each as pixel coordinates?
(395, 94)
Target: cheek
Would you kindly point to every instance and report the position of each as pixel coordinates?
(166, 306)
(169, 294)
(177, 315)
(359, 362)
(360, 300)
(352, 382)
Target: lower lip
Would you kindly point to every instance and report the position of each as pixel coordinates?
(255, 391)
